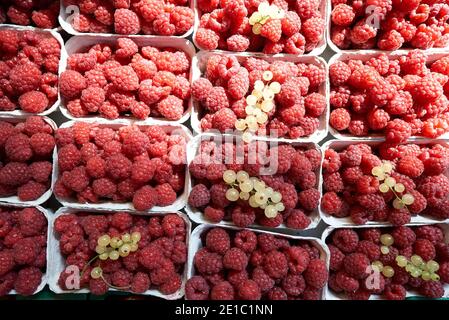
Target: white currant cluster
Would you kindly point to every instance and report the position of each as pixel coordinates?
(264, 12)
(382, 173)
(417, 267)
(259, 104)
(253, 190)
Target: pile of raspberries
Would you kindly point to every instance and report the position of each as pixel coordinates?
(157, 264)
(153, 17)
(353, 250)
(396, 97)
(23, 250)
(292, 171)
(351, 190)
(26, 158)
(226, 25)
(29, 66)
(244, 265)
(39, 13)
(125, 80)
(142, 165)
(226, 82)
(389, 24)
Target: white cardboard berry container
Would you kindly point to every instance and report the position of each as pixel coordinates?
(331, 295)
(196, 244)
(199, 66)
(339, 145)
(180, 202)
(58, 264)
(323, 8)
(48, 215)
(14, 200)
(365, 55)
(63, 56)
(67, 13)
(335, 48)
(197, 216)
(79, 44)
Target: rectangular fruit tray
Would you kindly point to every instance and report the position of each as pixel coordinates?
(330, 295)
(128, 207)
(323, 8)
(58, 262)
(197, 216)
(79, 44)
(345, 222)
(199, 64)
(67, 13)
(364, 55)
(63, 57)
(48, 215)
(196, 244)
(14, 200)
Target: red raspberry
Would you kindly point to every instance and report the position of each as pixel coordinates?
(264, 282)
(238, 43)
(41, 170)
(25, 77)
(96, 167)
(28, 280)
(171, 108)
(32, 222)
(71, 84)
(298, 259)
(224, 119)
(33, 102)
(243, 217)
(14, 174)
(217, 240)
(291, 24)
(395, 292)
(272, 30)
(201, 88)
(124, 78)
(222, 291)
(432, 289)
(332, 204)
(425, 249)
(216, 99)
(17, 148)
(249, 290)
(336, 258)
(118, 166)
(151, 257)
(277, 293)
(315, 104)
(342, 15)
(25, 251)
(31, 191)
(126, 22)
(135, 143)
(199, 196)
(344, 282)
(331, 161)
(340, 119)
(426, 89)
(346, 240)
(207, 39)
(403, 237)
(42, 144)
(432, 233)
(238, 84)
(313, 29)
(140, 282)
(333, 182)
(145, 198)
(297, 220)
(208, 262)
(213, 215)
(182, 18)
(235, 259)
(275, 264)
(355, 265)
(399, 217)
(316, 274)
(443, 272)
(245, 240)
(166, 195)
(197, 288)
(410, 166)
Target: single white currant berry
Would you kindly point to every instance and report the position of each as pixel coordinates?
(387, 167)
(257, 94)
(249, 110)
(259, 85)
(255, 17)
(275, 87)
(257, 28)
(104, 240)
(251, 100)
(391, 182)
(426, 276)
(269, 191)
(417, 260)
(134, 247)
(378, 264)
(242, 176)
(432, 266)
(264, 8)
(267, 75)
(388, 271)
(240, 124)
(276, 197)
(247, 137)
(244, 196)
(259, 185)
(124, 250)
(267, 106)
(114, 255)
(408, 199)
(96, 273)
(280, 206)
(260, 197)
(100, 249)
(401, 261)
(399, 187)
(115, 242)
(435, 277)
(384, 250)
(136, 236)
(384, 188)
(270, 211)
(252, 202)
(262, 118)
(246, 186)
(232, 194)
(126, 237)
(387, 239)
(398, 204)
(104, 256)
(416, 273)
(268, 94)
(229, 176)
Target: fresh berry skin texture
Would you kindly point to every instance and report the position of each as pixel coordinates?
(217, 240)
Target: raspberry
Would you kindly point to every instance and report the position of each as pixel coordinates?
(298, 259)
(171, 108)
(6, 262)
(216, 99)
(443, 272)
(336, 258)
(436, 165)
(432, 233)
(71, 84)
(332, 204)
(313, 29)
(24, 78)
(403, 237)
(432, 289)
(182, 18)
(208, 262)
(126, 22)
(246, 241)
(425, 249)
(140, 282)
(315, 104)
(395, 292)
(297, 220)
(213, 215)
(96, 167)
(14, 174)
(275, 264)
(28, 280)
(243, 217)
(201, 88)
(31, 222)
(316, 274)
(340, 119)
(238, 85)
(237, 43)
(399, 217)
(135, 143)
(345, 283)
(124, 78)
(342, 15)
(197, 288)
(25, 251)
(199, 196)
(217, 240)
(224, 119)
(355, 265)
(249, 290)
(206, 39)
(145, 198)
(346, 240)
(33, 102)
(272, 30)
(166, 195)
